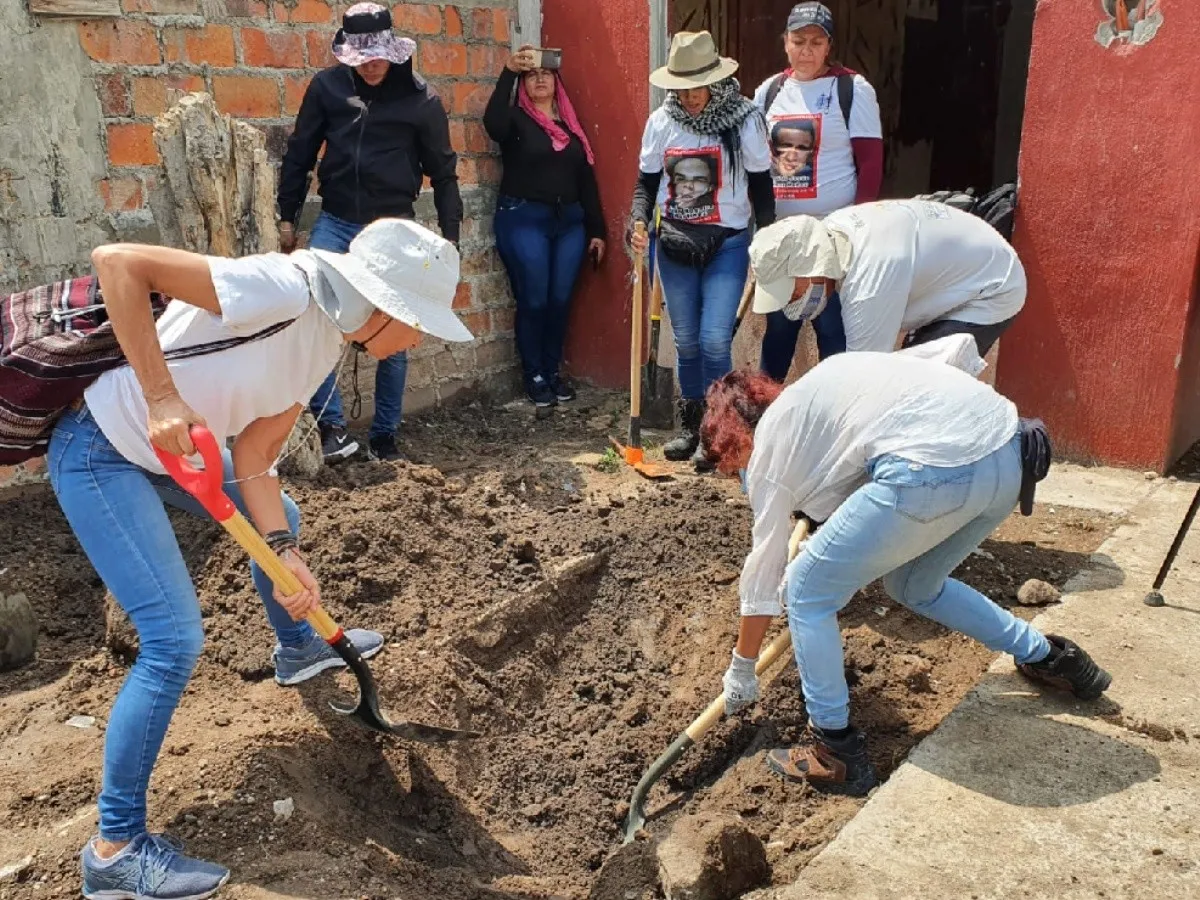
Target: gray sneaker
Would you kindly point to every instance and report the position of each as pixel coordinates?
(296, 664)
(152, 867)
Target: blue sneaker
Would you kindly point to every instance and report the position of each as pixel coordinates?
(296, 664)
(152, 867)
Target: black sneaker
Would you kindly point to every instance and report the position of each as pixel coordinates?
(833, 765)
(336, 445)
(563, 389)
(1070, 668)
(383, 447)
(540, 392)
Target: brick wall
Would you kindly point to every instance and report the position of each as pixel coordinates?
(256, 59)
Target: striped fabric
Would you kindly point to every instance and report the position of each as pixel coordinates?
(55, 340)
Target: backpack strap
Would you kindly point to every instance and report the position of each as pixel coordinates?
(773, 90)
(845, 90)
(227, 344)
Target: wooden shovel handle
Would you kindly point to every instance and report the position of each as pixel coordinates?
(779, 646)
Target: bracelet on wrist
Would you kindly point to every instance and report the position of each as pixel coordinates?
(281, 540)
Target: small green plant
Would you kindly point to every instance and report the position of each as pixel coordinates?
(609, 462)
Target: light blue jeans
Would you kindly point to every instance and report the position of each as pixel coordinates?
(703, 306)
(910, 525)
(116, 510)
(334, 234)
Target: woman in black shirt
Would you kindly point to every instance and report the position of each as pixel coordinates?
(547, 215)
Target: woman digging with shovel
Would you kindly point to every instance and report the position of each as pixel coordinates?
(240, 351)
(909, 463)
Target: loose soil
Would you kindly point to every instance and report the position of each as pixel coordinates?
(579, 618)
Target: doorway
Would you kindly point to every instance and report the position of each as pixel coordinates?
(949, 75)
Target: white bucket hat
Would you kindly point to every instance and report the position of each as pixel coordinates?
(692, 63)
(403, 269)
(796, 247)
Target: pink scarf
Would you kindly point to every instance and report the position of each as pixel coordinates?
(559, 139)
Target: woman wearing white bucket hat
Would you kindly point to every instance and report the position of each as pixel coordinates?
(263, 332)
(712, 144)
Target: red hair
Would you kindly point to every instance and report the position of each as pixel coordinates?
(734, 405)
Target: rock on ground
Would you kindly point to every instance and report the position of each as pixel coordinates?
(302, 456)
(18, 631)
(1038, 593)
(707, 858)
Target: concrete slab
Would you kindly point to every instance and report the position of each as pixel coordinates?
(1022, 795)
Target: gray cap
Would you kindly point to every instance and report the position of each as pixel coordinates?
(804, 14)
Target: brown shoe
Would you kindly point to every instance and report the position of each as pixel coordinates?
(838, 766)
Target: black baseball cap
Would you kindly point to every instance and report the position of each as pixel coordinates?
(804, 14)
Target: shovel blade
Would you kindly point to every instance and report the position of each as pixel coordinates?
(636, 459)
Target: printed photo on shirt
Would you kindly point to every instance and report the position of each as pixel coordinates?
(693, 184)
(795, 141)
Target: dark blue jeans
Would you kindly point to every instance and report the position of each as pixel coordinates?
(779, 340)
(703, 306)
(334, 234)
(542, 248)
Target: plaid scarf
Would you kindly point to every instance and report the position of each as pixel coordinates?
(723, 118)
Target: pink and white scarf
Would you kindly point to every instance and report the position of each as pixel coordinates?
(559, 139)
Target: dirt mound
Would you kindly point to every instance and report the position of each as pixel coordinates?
(578, 619)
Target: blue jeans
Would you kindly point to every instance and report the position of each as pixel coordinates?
(703, 307)
(779, 339)
(542, 248)
(116, 510)
(911, 525)
(334, 234)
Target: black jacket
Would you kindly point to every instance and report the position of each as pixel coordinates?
(379, 142)
(533, 169)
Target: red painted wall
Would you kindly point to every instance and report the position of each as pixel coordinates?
(1107, 350)
(606, 60)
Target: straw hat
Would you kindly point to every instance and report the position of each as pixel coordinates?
(692, 63)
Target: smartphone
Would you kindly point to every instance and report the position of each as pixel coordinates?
(547, 58)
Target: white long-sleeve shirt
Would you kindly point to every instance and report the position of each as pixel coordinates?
(813, 444)
(914, 262)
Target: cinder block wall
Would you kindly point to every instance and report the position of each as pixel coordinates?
(86, 179)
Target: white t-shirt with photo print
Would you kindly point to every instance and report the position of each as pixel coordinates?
(812, 158)
(698, 186)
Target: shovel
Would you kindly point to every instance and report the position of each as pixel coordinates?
(205, 486)
(632, 453)
(658, 382)
(707, 719)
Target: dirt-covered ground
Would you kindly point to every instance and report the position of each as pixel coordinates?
(578, 617)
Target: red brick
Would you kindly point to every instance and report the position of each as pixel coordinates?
(503, 320)
(318, 48)
(272, 49)
(466, 171)
(477, 322)
(481, 24)
(150, 97)
(312, 11)
(500, 26)
(454, 23)
(441, 58)
(131, 145)
(477, 138)
(114, 95)
(470, 99)
(294, 87)
(417, 18)
(162, 7)
(462, 297)
(246, 96)
(458, 136)
(121, 194)
(211, 45)
(489, 170)
(487, 59)
(120, 41)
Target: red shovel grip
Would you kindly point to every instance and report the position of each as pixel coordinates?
(203, 484)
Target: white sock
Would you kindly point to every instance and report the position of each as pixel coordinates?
(102, 862)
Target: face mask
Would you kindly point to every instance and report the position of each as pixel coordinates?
(808, 305)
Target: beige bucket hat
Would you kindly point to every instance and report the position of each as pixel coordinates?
(795, 247)
(692, 63)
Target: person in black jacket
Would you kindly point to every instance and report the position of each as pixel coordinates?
(383, 130)
(547, 215)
